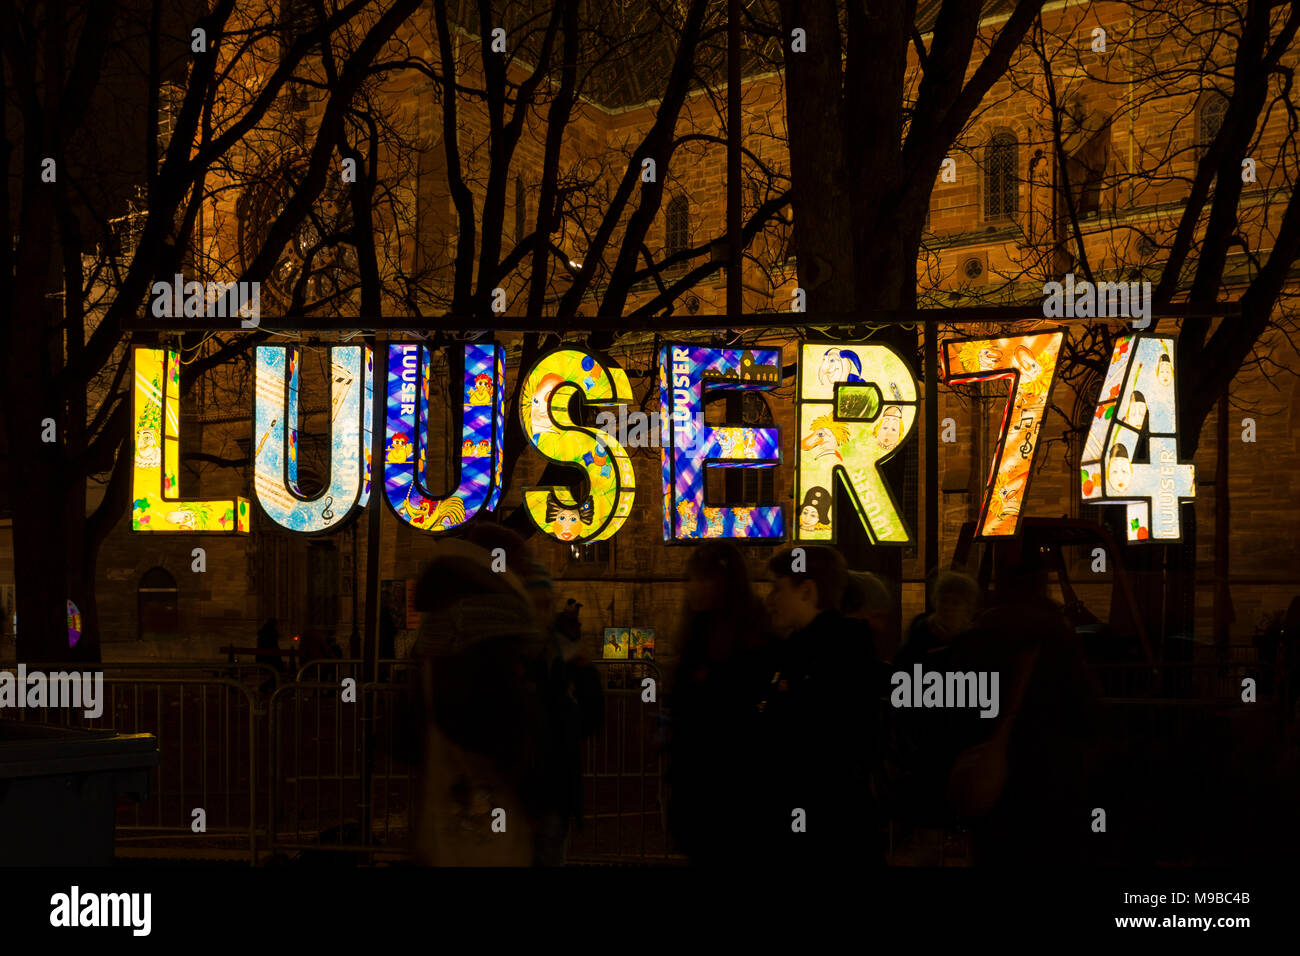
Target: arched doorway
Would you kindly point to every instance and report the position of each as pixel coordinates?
(158, 600)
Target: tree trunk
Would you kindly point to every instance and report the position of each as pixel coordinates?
(41, 544)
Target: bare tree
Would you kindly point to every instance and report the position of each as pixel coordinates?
(67, 67)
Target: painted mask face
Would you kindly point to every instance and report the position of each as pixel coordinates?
(566, 525)
(888, 432)
(808, 518)
(1165, 373)
(147, 452)
(1120, 474)
(990, 359)
(832, 368)
(1137, 413)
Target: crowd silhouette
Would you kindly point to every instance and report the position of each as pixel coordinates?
(784, 744)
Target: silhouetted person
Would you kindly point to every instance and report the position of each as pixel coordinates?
(724, 621)
(812, 737)
(575, 705)
(866, 605)
(268, 639)
(485, 736)
(956, 600)
(924, 742)
(569, 685)
(1031, 765)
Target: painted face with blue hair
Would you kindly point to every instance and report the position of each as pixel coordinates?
(840, 365)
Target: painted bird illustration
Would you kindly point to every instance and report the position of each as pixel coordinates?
(399, 452)
(450, 511)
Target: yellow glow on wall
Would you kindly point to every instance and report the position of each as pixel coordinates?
(157, 505)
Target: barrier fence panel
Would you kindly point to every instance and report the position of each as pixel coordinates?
(320, 749)
(289, 764)
(624, 811)
(336, 669)
(208, 742)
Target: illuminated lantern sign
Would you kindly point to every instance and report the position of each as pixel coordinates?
(856, 405)
(1138, 395)
(275, 423)
(1029, 361)
(689, 445)
(598, 509)
(406, 452)
(157, 505)
(856, 408)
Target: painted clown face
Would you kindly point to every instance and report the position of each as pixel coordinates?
(821, 442)
(890, 427)
(567, 524)
(809, 518)
(990, 359)
(833, 368)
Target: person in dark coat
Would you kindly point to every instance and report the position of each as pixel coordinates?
(811, 736)
(478, 716)
(575, 705)
(268, 639)
(923, 743)
(724, 622)
(1043, 742)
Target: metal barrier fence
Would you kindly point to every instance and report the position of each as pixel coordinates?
(318, 803)
(336, 669)
(624, 813)
(280, 769)
(208, 738)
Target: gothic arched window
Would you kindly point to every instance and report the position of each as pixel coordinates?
(1001, 176)
(1210, 121)
(678, 225)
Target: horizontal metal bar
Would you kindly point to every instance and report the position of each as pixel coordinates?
(958, 315)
